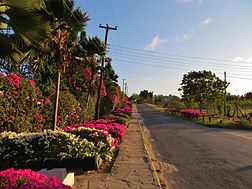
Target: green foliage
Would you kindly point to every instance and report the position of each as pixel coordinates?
(146, 96)
(174, 102)
(23, 108)
(16, 149)
(201, 87)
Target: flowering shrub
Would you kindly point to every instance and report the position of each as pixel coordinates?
(127, 103)
(127, 111)
(116, 130)
(22, 106)
(122, 119)
(16, 149)
(27, 178)
(101, 139)
(191, 113)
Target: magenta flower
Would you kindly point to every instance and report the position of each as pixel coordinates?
(88, 74)
(32, 82)
(27, 178)
(14, 80)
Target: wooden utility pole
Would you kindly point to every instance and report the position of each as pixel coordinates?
(123, 89)
(97, 110)
(225, 95)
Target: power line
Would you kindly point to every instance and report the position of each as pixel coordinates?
(200, 61)
(118, 37)
(179, 55)
(178, 61)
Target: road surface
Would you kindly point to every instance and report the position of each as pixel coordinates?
(204, 158)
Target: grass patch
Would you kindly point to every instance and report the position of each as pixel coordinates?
(215, 123)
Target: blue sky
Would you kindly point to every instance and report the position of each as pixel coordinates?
(159, 41)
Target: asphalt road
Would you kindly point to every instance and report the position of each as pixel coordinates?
(203, 157)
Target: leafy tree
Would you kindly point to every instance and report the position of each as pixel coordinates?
(145, 95)
(158, 99)
(201, 87)
(174, 102)
(248, 95)
(22, 26)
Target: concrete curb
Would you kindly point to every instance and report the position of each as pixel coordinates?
(154, 171)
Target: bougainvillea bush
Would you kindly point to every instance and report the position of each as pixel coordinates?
(119, 111)
(123, 120)
(16, 149)
(191, 113)
(22, 107)
(24, 179)
(116, 130)
(100, 138)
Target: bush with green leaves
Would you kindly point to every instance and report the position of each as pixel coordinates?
(22, 108)
(16, 149)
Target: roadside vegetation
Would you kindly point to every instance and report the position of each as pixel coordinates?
(203, 101)
(50, 80)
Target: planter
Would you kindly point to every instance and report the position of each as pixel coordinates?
(71, 164)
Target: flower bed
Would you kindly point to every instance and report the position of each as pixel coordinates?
(27, 178)
(116, 130)
(16, 149)
(127, 111)
(191, 113)
(100, 138)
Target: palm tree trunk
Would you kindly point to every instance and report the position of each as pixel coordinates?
(56, 103)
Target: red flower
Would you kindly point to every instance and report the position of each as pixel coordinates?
(47, 101)
(15, 92)
(32, 82)
(88, 74)
(77, 88)
(14, 80)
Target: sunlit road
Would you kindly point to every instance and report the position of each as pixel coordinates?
(204, 157)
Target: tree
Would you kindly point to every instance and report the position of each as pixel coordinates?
(22, 26)
(146, 95)
(248, 95)
(173, 102)
(201, 87)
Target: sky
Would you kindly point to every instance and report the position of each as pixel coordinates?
(158, 41)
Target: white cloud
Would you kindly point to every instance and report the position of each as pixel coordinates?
(186, 36)
(189, 35)
(237, 59)
(207, 21)
(249, 59)
(240, 59)
(189, 1)
(155, 42)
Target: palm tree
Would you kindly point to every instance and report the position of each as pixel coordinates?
(22, 26)
(65, 24)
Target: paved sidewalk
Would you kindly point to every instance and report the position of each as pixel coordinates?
(131, 168)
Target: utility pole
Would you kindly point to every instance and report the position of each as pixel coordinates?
(225, 95)
(123, 88)
(126, 88)
(97, 111)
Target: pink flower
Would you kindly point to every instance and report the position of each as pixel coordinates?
(47, 101)
(15, 92)
(28, 179)
(88, 74)
(77, 88)
(32, 82)
(14, 80)
(104, 89)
